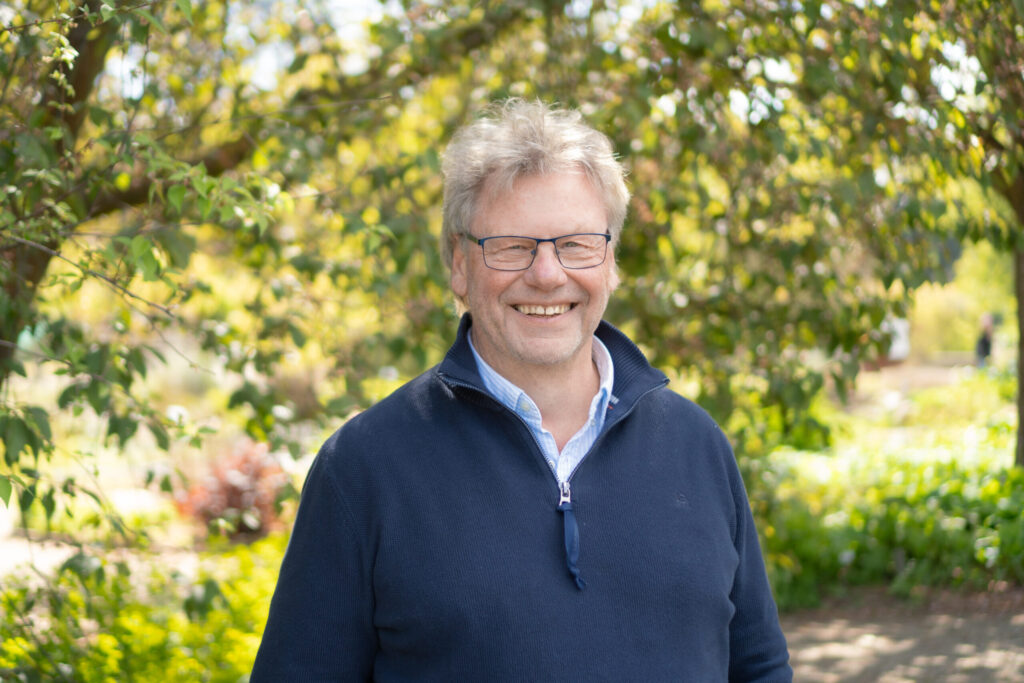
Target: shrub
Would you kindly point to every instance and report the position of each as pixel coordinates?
(913, 524)
(242, 494)
(97, 620)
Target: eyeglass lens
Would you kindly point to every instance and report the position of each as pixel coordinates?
(517, 253)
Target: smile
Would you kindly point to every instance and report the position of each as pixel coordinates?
(543, 310)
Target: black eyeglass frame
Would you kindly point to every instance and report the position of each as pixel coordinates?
(537, 242)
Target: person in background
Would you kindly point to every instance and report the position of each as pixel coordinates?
(539, 506)
(983, 347)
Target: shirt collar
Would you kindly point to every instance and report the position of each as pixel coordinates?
(518, 401)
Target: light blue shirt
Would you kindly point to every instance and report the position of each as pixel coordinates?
(515, 399)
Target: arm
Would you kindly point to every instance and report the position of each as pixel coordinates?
(758, 650)
(320, 626)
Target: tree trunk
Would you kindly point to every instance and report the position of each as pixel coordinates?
(1018, 282)
(1014, 193)
(25, 269)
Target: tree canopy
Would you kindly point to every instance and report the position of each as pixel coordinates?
(250, 187)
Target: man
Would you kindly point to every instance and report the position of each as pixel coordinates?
(539, 506)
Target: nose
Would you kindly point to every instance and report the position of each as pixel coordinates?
(547, 271)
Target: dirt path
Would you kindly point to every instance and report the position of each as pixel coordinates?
(872, 636)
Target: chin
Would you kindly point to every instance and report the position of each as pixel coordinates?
(538, 353)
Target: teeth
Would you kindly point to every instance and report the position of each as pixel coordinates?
(543, 310)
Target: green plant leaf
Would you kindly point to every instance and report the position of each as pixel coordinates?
(176, 195)
(15, 436)
(42, 422)
(5, 489)
(185, 6)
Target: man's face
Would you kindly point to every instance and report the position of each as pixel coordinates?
(544, 316)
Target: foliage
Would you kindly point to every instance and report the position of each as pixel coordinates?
(97, 620)
(145, 179)
(216, 180)
(918, 525)
(931, 510)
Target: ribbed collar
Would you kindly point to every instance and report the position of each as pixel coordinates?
(634, 376)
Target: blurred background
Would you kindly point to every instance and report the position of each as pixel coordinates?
(218, 241)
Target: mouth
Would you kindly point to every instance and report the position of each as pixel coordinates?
(543, 311)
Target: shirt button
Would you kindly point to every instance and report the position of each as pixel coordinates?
(551, 463)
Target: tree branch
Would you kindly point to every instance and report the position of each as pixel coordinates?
(111, 282)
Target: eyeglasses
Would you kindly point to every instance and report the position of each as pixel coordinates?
(509, 252)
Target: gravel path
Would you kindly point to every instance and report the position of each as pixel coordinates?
(947, 636)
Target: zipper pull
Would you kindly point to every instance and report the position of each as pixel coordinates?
(572, 533)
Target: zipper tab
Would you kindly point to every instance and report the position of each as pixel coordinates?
(572, 533)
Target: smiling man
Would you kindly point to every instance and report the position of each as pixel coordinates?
(539, 506)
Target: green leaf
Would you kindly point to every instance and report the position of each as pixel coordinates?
(123, 427)
(297, 335)
(68, 396)
(160, 434)
(137, 361)
(185, 6)
(17, 367)
(96, 360)
(106, 11)
(5, 489)
(149, 266)
(25, 498)
(205, 207)
(140, 246)
(31, 149)
(99, 116)
(42, 422)
(98, 396)
(49, 503)
(176, 195)
(15, 437)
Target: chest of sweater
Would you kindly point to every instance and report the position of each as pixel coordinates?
(478, 550)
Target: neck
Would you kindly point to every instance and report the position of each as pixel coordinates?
(562, 392)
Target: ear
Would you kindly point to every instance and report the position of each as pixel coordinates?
(459, 279)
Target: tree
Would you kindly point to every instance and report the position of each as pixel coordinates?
(931, 91)
(136, 142)
(787, 196)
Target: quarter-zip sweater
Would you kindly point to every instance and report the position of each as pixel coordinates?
(429, 546)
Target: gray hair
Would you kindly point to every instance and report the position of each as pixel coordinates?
(514, 139)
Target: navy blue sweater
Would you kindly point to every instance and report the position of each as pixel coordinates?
(428, 546)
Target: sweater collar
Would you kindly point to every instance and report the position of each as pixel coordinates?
(634, 376)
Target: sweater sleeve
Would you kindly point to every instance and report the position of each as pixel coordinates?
(320, 626)
(757, 646)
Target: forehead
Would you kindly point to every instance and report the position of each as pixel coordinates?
(566, 202)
